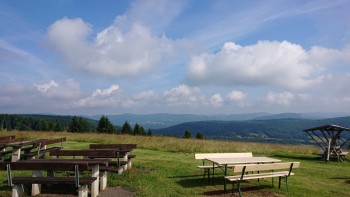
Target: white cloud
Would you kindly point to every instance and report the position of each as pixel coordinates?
(45, 87)
(236, 96)
(267, 63)
(239, 98)
(181, 95)
(125, 48)
(105, 92)
(146, 95)
(216, 100)
(69, 89)
(99, 98)
(284, 98)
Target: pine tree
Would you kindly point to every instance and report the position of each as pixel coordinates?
(137, 129)
(149, 132)
(126, 128)
(187, 134)
(105, 126)
(199, 135)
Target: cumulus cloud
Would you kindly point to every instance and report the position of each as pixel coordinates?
(284, 98)
(217, 100)
(46, 86)
(68, 89)
(105, 92)
(127, 47)
(99, 98)
(236, 95)
(266, 63)
(181, 94)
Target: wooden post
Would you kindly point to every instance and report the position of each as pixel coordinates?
(36, 188)
(125, 158)
(16, 154)
(95, 184)
(329, 148)
(83, 191)
(17, 190)
(103, 180)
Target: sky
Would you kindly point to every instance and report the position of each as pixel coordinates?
(89, 57)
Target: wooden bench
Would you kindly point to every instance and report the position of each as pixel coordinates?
(280, 170)
(16, 182)
(42, 148)
(129, 147)
(5, 142)
(206, 168)
(117, 166)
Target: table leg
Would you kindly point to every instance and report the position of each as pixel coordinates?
(16, 154)
(225, 173)
(213, 174)
(95, 185)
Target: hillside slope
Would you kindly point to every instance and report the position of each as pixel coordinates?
(270, 130)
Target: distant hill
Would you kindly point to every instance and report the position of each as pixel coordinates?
(264, 130)
(164, 120)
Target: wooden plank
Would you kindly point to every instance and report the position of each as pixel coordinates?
(46, 165)
(222, 155)
(85, 153)
(7, 137)
(264, 167)
(113, 146)
(47, 142)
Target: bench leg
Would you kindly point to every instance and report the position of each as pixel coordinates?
(239, 188)
(120, 169)
(125, 158)
(129, 164)
(36, 188)
(103, 180)
(279, 182)
(17, 190)
(83, 191)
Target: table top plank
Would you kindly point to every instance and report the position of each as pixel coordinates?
(242, 160)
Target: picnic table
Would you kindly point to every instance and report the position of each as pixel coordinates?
(5, 142)
(230, 161)
(99, 154)
(331, 139)
(27, 146)
(40, 164)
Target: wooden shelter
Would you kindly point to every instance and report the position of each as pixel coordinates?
(331, 139)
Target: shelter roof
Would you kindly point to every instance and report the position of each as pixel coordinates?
(328, 128)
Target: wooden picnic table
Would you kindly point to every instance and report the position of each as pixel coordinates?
(93, 163)
(27, 146)
(230, 161)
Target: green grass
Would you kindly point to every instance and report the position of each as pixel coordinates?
(165, 166)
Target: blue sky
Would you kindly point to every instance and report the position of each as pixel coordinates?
(202, 57)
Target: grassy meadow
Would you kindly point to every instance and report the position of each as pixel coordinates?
(165, 166)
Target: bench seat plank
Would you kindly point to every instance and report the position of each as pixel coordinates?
(258, 176)
(52, 180)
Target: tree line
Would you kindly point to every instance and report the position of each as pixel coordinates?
(74, 124)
